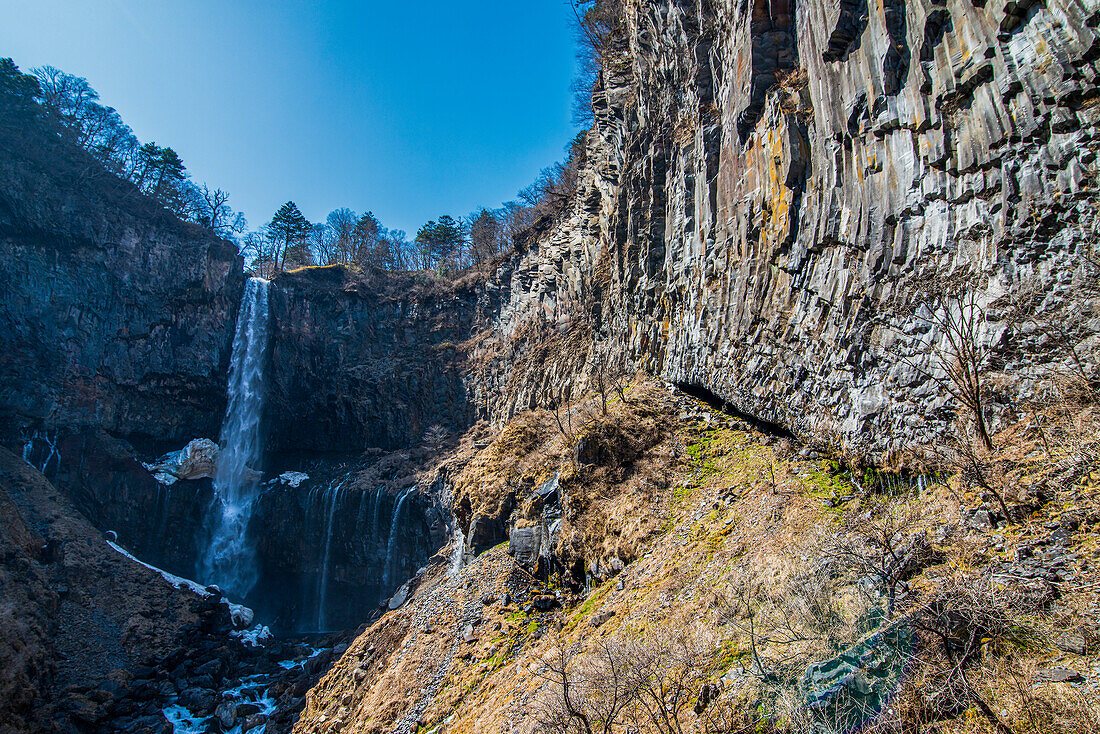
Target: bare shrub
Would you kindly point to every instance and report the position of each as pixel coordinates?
(882, 545)
(435, 438)
(662, 686)
(967, 615)
(588, 693)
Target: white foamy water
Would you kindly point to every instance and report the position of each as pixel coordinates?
(229, 560)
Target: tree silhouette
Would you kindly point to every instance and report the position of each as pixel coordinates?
(289, 228)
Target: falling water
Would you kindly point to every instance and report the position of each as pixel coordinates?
(333, 497)
(230, 560)
(458, 551)
(395, 520)
(377, 512)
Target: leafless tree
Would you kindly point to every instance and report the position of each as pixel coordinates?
(341, 223)
(588, 693)
(883, 545)
(435, 438)
(260, 252)
(660, 685)
(956, 322)
(966, 614)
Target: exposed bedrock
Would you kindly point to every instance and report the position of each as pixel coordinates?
(115, 314)
(115, 329)
(334, 547)
(365, 361)
(773, 189)
(79, 620)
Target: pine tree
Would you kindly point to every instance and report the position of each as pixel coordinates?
(289, 228)
(439, 241)
(17, 91)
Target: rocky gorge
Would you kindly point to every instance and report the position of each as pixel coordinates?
(787, 218)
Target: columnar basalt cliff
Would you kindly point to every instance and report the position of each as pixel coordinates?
(780, 199)
(783, 208)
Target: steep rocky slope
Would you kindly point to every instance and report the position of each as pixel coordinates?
(79, 618)
(729, 583)
(115, 330)
(789, 204)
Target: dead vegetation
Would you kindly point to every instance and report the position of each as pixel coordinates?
(731, 583)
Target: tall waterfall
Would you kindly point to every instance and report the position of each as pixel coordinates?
(229, 560)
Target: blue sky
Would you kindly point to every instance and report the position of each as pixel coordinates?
(411, 110)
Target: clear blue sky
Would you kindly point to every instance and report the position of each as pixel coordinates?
(409, 109)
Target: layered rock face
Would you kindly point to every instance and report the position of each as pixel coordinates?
(115, 329)
(334, 547)
(115, 313)
(788, 204)
(365, 361)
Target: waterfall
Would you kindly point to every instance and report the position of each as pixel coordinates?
(458, 551)
(377, 512)
(229, 560)
(30, 450)
(395, 520)
(332, 495)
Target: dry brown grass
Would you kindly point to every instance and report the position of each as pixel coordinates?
(700, 510)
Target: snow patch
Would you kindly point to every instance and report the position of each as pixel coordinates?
(165, 478)
(293, 478)
(257, 636)
(194, 461)
(177, 581)
(241, 615)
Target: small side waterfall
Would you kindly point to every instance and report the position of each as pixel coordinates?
(332, 500)
(377, 513)
(229, 560)
(458, 551)
(395, 521)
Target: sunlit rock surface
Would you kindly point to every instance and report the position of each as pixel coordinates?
(772, 186)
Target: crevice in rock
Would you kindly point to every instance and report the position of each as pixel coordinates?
(716, 402)
(850, 24)
(774, 50)
(895, 67)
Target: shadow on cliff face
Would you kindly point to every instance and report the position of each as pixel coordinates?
(717, 403)
(362, 360)
(332, 543)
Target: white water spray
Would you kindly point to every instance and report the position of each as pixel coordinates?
(458, 551)
(230, 560)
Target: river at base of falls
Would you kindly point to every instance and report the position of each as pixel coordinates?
(254, 692)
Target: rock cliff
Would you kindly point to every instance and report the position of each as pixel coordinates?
(789, 204)
(79, 618)
(115, 314)
(366, 360)
(115, 331)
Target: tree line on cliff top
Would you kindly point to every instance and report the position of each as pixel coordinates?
(71, 107)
